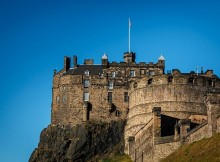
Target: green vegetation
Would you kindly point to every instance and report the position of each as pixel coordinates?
(205, 150)
(118, 158)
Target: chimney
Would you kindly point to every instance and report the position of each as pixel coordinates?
(88, 62)
(74, 61)
(66, 63)
(129, 57)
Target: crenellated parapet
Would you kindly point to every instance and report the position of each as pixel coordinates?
(170, 106)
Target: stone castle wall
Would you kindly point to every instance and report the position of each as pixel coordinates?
(179, 96)
(199, 133)
(68, 103)
(178, 99)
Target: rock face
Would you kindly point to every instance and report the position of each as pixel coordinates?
(86, 142)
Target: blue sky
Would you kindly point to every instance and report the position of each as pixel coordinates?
(36, 35)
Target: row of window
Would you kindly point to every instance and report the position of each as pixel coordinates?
(87, 83)
(110, 96)
(132, 73)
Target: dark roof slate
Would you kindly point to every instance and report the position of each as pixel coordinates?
(93, 70)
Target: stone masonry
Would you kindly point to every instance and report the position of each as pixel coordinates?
(162, 111)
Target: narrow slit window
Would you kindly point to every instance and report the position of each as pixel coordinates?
(126, 97)
(109, 96)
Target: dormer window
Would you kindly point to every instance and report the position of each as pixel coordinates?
(86, 73)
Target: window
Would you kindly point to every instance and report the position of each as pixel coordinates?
(170, 79)
(191, 80)
(57, 98)
(126, 97)
(211, 83)
(109, 96)
(151, 72)
(113, 74)
(110, 84)
(86, 83)
(86, 96)
(86, 73)
(135, 85)
(64, 98)
(132, 73)
(149, 81)
(142, 71)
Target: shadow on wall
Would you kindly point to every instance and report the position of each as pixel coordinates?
(168, 124)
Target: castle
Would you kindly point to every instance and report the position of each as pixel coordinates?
(162, 111)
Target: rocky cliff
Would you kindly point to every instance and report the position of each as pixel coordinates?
(86, 142)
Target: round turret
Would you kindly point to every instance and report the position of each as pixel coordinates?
(105, 56)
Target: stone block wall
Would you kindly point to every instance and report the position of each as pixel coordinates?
(218, 125)
(198, 133)
(163, 150)
(179, 96)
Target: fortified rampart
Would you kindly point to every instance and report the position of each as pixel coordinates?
(162, 111)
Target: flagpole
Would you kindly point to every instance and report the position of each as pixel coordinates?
(129, 35)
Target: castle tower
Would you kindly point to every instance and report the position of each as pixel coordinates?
(104, 60)
(129, 57)
(161, 62)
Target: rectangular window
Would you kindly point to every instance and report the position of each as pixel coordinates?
(132, 73)
(86, 83)
(86, 96)
(113, 74)
(142, 71)
(151, 72)
(109, 96)
(111, 85)
(64, 98)
(126, 97)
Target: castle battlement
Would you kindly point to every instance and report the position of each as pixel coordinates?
(162, 111)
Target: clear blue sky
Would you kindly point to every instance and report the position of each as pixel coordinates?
(35, 36)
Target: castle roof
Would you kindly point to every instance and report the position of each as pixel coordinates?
(93, 70)
(161, 58)
(104, 56)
